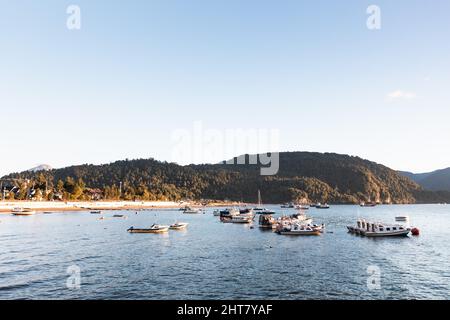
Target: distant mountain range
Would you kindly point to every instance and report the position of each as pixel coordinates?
(302, 176)
(438, 180)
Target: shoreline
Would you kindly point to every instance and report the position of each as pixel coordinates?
(61, 206)
(6, 207)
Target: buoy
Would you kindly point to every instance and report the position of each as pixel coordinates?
(415, 231)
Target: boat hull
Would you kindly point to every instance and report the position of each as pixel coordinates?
(29, 213)
(300, 233)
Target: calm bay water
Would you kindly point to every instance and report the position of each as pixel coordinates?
(211, 260)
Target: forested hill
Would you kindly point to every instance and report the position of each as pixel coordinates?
(302, 176)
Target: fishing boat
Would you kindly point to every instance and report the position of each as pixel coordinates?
(22, 212)
(376, 229)
(259, 207)
(155, 228)
(296, 229)
(267, 221)
(189, 210)
(178, 226)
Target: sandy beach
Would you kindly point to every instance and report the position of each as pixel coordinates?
(41, 206)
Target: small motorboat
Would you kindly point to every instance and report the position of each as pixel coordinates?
(296, 229)
(189, 210)
(287, 206)
(22, 212)
(96, 212)
(119, 216)
(322, 206)
(302, 207)
(178, 226)
(368, 204)
(239, 218)
(155, 228)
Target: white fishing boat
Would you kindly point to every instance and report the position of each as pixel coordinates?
(296, 229)
(179, 226)
(376, 229)
(22, 212)
(155, 228)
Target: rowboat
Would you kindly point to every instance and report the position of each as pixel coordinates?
(153, 229)
(178, 226)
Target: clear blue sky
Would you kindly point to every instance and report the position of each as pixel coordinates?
(137, 70)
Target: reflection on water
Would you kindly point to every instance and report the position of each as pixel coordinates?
(211, 260)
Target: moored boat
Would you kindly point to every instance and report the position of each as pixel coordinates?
(296, 229)
(267, 221)
(376, 229)
(178, 226)
(189, 210)
(96, 212)
(155, 228)
(237, 219)
(322, 206)
(22, 212)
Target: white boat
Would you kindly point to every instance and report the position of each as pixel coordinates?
(296, 229)
(22, 212)
(237, 219)
(155, 228)
(179, 226)
(322, 206)
(301, 218)
(302, 207)
(402, 219)
(189, 210)
(376, 229)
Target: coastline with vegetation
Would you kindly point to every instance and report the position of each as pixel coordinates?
(303, 177)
